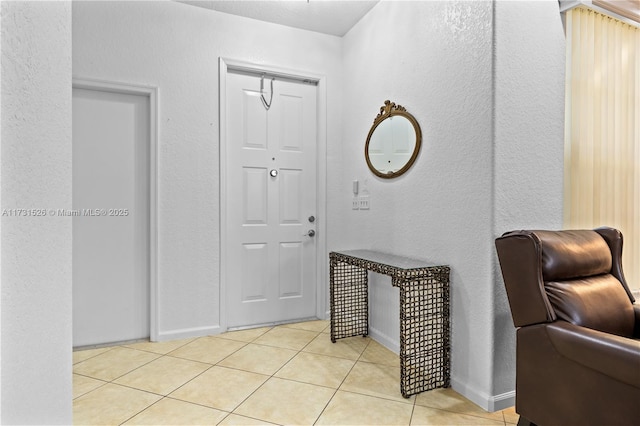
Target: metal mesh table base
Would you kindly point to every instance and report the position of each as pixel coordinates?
(424, 313)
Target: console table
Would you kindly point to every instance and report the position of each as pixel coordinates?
(424, 312)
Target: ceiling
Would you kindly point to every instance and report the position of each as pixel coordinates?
(335, 17)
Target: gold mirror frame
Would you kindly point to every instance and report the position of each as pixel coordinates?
(390, 109)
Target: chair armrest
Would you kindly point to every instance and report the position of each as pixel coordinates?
(636, 329)
(614, 356)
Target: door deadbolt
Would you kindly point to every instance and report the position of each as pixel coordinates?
(312, 219)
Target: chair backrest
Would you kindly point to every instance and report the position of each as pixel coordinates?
(572, 275)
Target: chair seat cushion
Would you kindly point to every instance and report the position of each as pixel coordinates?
(599, 302)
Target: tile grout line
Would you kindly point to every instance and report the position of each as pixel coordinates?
(134, 388)
(159, 356)
(342, 382)
(220, 366)
(301, 351)
(383, 397)
(137, 368)
(144, 409)
(270, 377)
(413, 409)
(173, 398)
(292, 358)
(142, 390)
(91, 357)
(86, 393)
(112, 381)
(195, 377)
(131, 387)
(188, 381)
(166, 353)
(463, 413)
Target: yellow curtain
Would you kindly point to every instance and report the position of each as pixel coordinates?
(602, 137)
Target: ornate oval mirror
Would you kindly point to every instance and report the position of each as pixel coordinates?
(393, 142)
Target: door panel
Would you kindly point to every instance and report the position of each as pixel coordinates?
(255, 195)
(291, 267)
(271, 263)
(290, 199)
(111, 230)
(254, 281)
(255, 136)
(292, 123)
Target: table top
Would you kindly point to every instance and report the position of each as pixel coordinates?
(399, 262)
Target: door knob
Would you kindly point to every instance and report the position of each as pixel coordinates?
(310, 233)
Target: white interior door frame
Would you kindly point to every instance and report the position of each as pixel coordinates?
(225, 66)
(152, 93)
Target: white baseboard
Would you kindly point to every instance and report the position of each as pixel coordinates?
(502, 401)
(386, 341)
(185, 333)
(487, 402)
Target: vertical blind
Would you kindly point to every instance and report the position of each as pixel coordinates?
(602, 137)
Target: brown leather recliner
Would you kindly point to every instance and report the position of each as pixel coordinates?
(578, 331)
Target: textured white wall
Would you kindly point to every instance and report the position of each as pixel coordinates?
(36, 251)
(439, 64)
(529, 142)
(176, 47)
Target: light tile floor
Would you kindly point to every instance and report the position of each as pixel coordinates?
(290, 374)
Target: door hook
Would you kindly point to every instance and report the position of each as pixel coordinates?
(266, 104)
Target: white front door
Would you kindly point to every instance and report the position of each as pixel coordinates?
(110, 217)
(271, 201)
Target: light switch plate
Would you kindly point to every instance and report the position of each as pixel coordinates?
(355, 204)
(364, 202)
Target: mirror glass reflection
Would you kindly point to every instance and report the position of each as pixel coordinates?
(393, 142)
